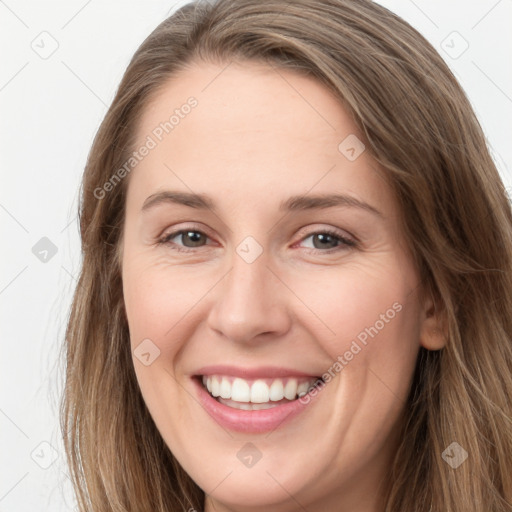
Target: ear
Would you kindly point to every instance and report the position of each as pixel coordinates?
(433, 330)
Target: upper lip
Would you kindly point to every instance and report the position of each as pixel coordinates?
(263, 372)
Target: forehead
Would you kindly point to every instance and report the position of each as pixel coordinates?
(253, 131)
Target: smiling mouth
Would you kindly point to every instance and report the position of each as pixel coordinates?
(257, 394)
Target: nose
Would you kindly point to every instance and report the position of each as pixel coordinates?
(250, 302)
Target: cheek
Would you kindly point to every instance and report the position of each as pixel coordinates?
(159, 304)
(360, 304)
(367, 321)
(163, 302)
(155, 298)
(371, 333)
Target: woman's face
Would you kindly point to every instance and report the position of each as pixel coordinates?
(243, 271)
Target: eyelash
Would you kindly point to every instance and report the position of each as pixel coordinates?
(344, 241)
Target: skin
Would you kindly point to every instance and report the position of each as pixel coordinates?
(256, 137)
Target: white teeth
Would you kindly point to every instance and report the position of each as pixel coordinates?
(276, 390)
(240, 391)
(247, 406)
(215, 387)
(260, 391)
(303, 388)
(290, 390)
(225, 388)
(259, 407)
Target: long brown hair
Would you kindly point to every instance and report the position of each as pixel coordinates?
(422, 131)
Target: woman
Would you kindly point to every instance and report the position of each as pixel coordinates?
(295, 292)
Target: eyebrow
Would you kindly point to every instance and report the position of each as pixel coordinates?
(294, 203)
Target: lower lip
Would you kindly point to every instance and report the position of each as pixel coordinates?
(264, 420)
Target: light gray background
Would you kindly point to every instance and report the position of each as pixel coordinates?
(51, 107)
